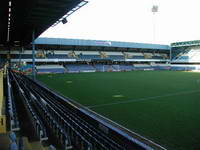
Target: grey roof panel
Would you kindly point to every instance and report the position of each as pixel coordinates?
(79, 42)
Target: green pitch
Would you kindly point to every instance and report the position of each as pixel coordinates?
(163, 106)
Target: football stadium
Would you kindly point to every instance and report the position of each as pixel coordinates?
(63, 93)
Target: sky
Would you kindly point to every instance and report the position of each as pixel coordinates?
(132, 21)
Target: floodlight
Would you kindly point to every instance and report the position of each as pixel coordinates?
(64, 21)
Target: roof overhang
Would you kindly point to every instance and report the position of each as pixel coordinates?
(19, 18)
(185, 44)
(99, 43)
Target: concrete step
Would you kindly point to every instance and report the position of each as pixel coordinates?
(4, 141)
(36, 146)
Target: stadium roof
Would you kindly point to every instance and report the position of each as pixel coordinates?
(98, 43)
(20, 17)
(186, 43)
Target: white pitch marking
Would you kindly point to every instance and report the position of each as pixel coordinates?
(145, 99)
(68, 81)
(117, 96)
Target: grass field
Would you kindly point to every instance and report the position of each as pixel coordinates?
(163, 106)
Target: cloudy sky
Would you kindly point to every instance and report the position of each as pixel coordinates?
(133, 21)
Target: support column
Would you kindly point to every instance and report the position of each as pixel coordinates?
(33, 55)
(9, 56)
(20, 57)
(170, 55)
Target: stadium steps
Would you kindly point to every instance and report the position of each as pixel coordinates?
(93, 65)
(31, 145)
(36, 146)
(125, 55)
(5, 142)
(65, 69)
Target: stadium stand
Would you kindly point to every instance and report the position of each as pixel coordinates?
(157, 57)
(103, 68)
(126, 67)
(185, 51)
(85, 55)
(143, 67)
(191, 55)
(148, 55)
(50, 69)
(184, 67)
(72, 68)
(57, 56)
(116, 68)
(134, 55)
(185, 56)
(114, 55)
(79, 68)
(72, 50)
(161, 66)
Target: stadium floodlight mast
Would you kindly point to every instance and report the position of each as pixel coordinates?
(154, 10)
